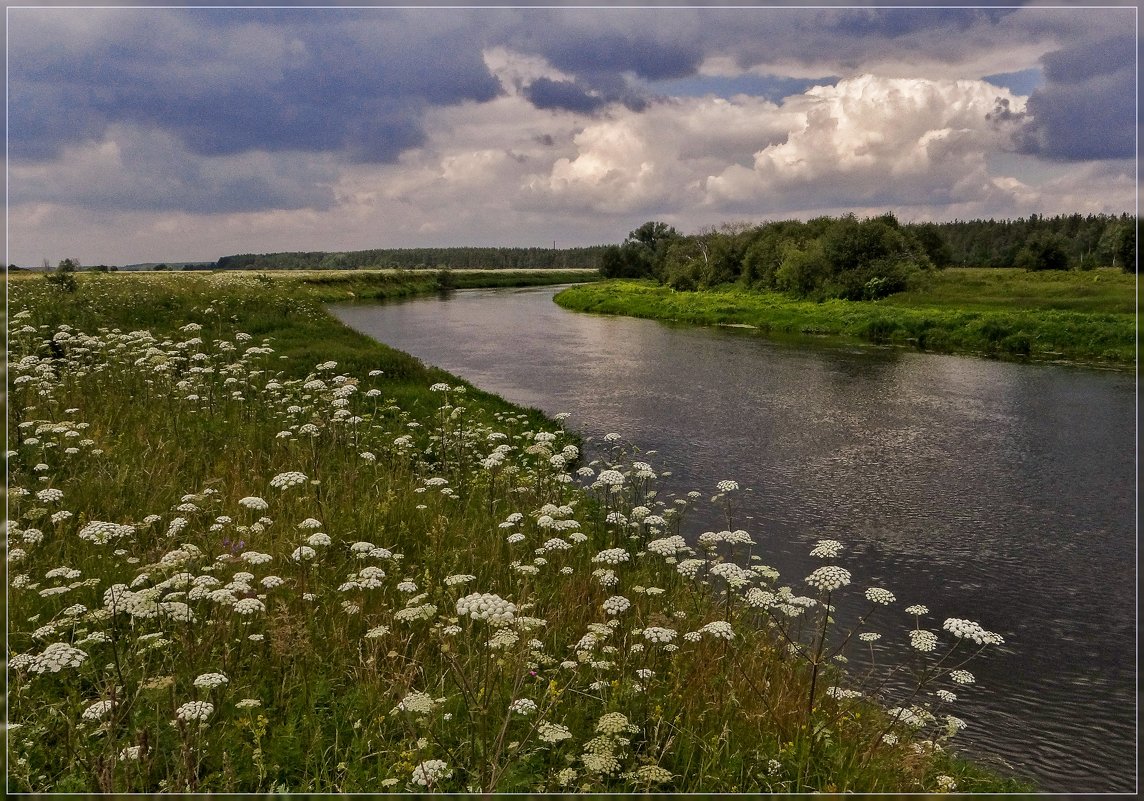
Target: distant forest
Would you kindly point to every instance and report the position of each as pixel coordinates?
(844, 257)
(756, 254)
(454, 258)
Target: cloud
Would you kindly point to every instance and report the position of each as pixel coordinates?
(1086, 108)
(232, 81)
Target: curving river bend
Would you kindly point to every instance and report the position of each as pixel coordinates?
(999, 492)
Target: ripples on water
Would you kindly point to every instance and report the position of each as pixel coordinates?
(998, 492)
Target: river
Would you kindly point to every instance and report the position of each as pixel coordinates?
(994, 491)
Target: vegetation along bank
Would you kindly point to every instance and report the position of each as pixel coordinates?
(876, 280)
(251, 550)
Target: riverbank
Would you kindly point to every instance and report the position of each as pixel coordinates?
(255, 551)
(1085, 318)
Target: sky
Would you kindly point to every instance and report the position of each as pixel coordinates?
(180, 134)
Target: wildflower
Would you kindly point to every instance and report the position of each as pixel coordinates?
(650, 774)
(131, 753)
(377, 631)
(877, 595)
(270, 582)
(829, 578)
(248, 703)
(251, 502)
(727, 486)
(486, 606)
(667, 546)
(613, 478)
(616, 605)
(869, 636)
(291, 478)
(923, 640)
(827, 549)
(719, 628)
(945, 784)
(432, 771)
(249, 606)
(417, 702)
(461, 578)
(209, 681)
(97, 710)
(962, 676)
(303, 553)
(56, 657)
(255, 558)
(615, 723)
(612, 556)
(319, 540)
(658, 634)
(967, 629)
(946, 695)
(917, 609)
(194, 710)
(522, 706)
(890, 739)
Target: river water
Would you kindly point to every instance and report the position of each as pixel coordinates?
(999, 492)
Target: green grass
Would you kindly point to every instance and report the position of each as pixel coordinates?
(145, 416)
(1084, 318)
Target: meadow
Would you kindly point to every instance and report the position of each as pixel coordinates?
(250, 550)
(1081, 317)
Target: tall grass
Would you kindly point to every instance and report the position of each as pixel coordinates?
(250, 551)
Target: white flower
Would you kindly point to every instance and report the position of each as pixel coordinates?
(522, 706)
(613, 478)
(210, 680)
(552, 732)
(249, 606)
(612, 556)
(255, 558)
(829, 578)
(291, 478)
(962, 676)
(727, 486)
(460, 578)
(417, 702)
(251, 502)
(917, 609)
(827, 549)
(318, 539)
(194, 710)
(303, 553)
(658, 634)
(56, 657)
(877, 595)
(967, 629)
(486, 606)
(616, 605)
(869, 636)
(719, 628)
(432, 771)
(923, 640)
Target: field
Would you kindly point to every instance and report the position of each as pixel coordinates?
(1077, 317)
(250, 550)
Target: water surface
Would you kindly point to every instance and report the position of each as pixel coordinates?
(999, 492)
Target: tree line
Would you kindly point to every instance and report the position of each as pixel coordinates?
(451, 258)
(845, 257)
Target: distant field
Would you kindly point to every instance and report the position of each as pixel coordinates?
(1103, 291)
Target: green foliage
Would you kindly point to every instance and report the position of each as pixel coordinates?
(1044, 252)
(355, 669)
(1086, 317)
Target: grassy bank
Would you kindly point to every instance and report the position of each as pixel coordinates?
(250, 550)
(1081, 317)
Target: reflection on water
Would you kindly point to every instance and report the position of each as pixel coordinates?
(998, 492)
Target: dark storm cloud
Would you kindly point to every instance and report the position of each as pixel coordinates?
(225, 83)
(1086, 108)
(545, 93)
